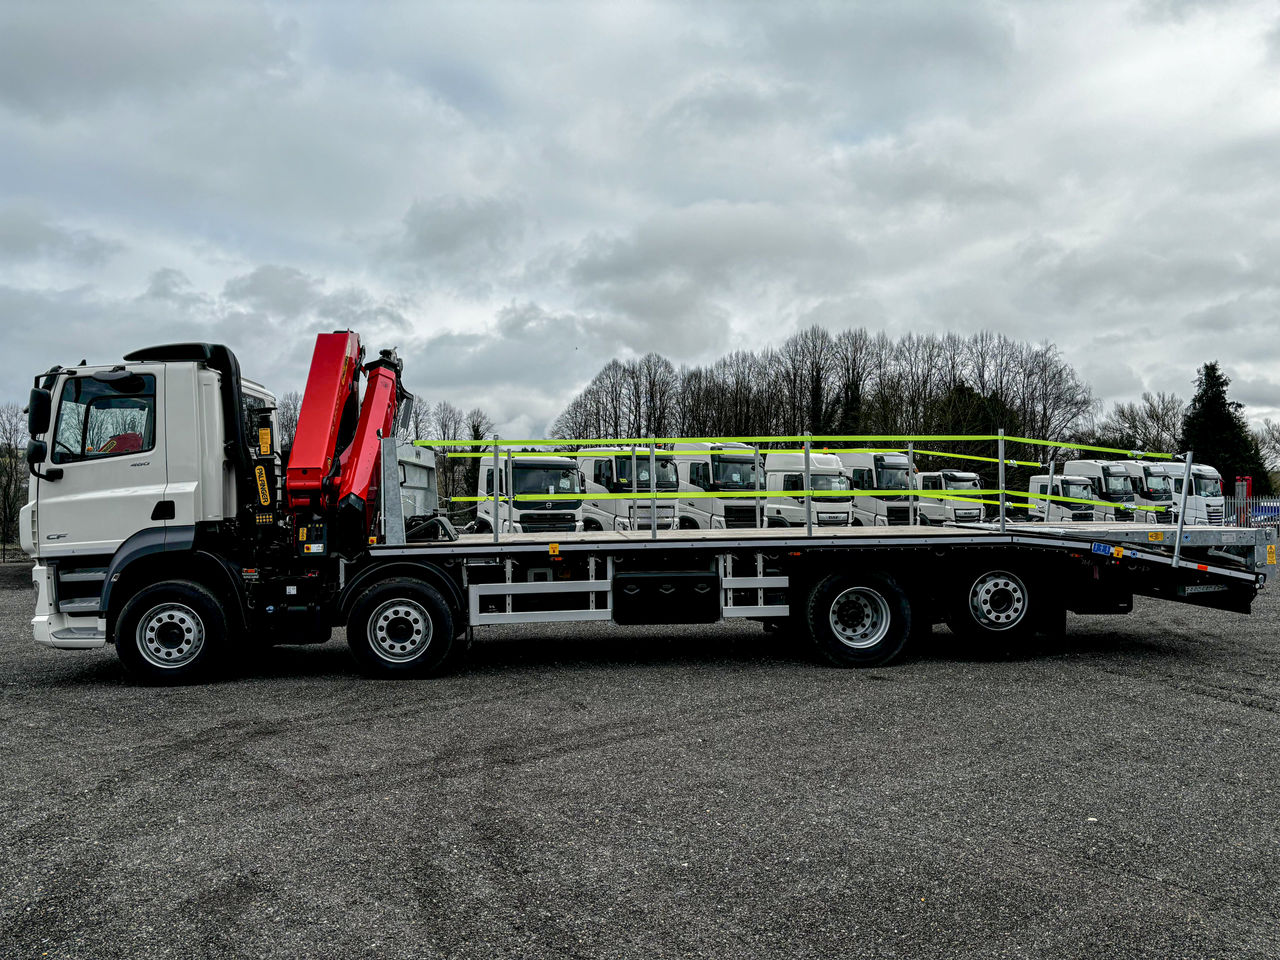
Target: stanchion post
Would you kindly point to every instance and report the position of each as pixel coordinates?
(756, 469)
(1002, 496)
(912, 499)
(1048, 504)
(653, 489)
(511, 494)
(1182, 509)
(808, 491)
(496, 495)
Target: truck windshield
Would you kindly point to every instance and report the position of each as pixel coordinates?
(1158, 486)
(667, 478)
(1207, 486)
(733, 472)
(963, 483)
(1078, 489)
(546, 480)
(1118, 486)
(891, 476)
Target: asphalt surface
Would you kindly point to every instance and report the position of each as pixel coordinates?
(596, 792)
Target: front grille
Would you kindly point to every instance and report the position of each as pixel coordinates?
(737, 515)
(1164, 516)
(833, 519)
(1215, 516)
(1083, 515)
(898, 516)
(547, 522)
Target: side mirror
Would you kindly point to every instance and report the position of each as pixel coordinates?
(38, 409)
(37, 451)
(582, 480)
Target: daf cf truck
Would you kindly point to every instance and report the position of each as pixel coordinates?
(161, 520)
(940, 510)
(627, 471)
(1152, 488)
(716, 468)
(1206, 502)
(784, 472)
(879, 471)
(1058, 511)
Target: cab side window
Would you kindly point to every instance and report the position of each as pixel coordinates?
(99, 418)
(932, 483)
(700, 475)
(603, 473)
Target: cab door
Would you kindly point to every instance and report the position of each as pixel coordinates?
(107, 440)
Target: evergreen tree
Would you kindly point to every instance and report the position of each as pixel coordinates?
(1214, 429)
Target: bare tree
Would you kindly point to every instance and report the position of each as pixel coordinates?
(1154, 423)
(287, 410)
(13, 473)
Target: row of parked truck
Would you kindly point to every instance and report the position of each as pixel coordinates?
(723, 483)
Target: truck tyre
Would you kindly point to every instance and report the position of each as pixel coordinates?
(996, 604)
(483, 526)
(858, 620)
(402, 627)
(171, 632)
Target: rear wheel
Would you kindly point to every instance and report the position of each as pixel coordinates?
(997, 604)
(402, 627)
(171, 632)
(858, 620)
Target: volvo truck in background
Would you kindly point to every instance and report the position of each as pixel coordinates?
(1110, 481)
(940, 510)
(627, 471)
(784, 472)
(1152, 488)
(530, 476)
(1205, 501)
(713, 468)
(1059, 511)
(879, 471)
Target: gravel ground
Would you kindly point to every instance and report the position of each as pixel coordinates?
(597, 792)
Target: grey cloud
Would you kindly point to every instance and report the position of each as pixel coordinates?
(60, 57)
(28, 235)
(453, 232)
(286, 291)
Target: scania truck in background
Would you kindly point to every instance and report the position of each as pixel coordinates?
(532, 475)
(939, 510)
(1058, 511)
(160, 520)
(1152, 488)
(879, 471)
(784, 472)
(1206, 502)
(1110, 481)
(714, 468)
(627, 471)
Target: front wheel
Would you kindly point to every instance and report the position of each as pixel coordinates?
(858, 620)
(402, 627)
(171, 632)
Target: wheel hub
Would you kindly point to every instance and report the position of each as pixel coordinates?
(859, 617)
(998, 600)
(170, 635)
(400, 630)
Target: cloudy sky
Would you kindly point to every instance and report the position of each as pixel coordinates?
(512, 193)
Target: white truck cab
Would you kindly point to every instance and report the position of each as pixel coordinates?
(879, 471)
(939, 510)
(1206, 504)
(1058, 511)
(1152, 487)
(529, 476)
(713, 468)
(1110, 481)
(626, 471)
(111, 481)
(784, 472)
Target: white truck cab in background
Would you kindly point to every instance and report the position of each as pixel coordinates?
(1110, 481)
(939, 510)
(1058, 511)
(879, 471)
(530, 476)
(626, 471)
(712, 468)
(1205, 501)
(784, 472)
(1152, 487)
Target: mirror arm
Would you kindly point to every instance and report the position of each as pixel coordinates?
(53, 473)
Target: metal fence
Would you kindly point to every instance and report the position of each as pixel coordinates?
(1251, 512)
